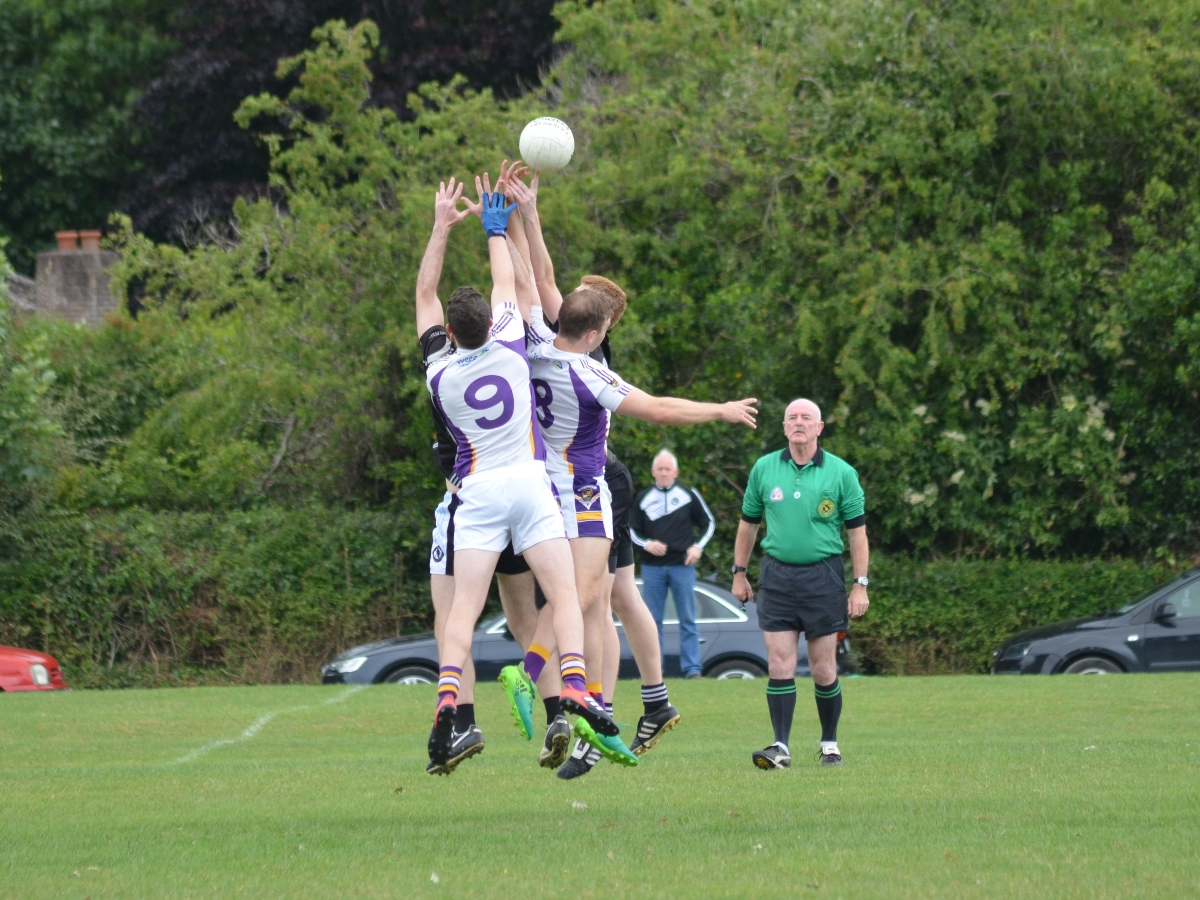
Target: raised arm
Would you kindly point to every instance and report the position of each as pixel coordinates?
(677, 411)
(446, 215)
(543, 268)
(514, 189)
(495, 222)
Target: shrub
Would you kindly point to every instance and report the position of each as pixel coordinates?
(947, 617)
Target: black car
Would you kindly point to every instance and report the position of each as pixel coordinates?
(1158, 633)
(731, 646)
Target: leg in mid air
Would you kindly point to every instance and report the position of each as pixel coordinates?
(541, 663)
(658, 715)
(612, 649)
(551, 563)
(473, 575)
(516, 598)
(591, 577)
(467, 739)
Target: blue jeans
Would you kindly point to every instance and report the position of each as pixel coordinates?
(682, 581)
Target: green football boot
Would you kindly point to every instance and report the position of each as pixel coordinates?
(611, 748)
(520, 692)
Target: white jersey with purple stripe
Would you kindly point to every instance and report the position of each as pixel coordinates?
(487, 400)
(574, 396)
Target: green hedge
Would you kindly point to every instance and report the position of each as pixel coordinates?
(134, 598)
(946, 617)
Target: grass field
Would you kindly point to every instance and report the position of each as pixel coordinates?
(956, 786)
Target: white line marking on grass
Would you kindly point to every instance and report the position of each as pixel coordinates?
(260, 723)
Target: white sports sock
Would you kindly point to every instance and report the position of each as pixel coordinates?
(830, 747)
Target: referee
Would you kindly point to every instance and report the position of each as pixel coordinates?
(806, 495)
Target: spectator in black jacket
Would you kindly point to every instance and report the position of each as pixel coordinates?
(666, 519)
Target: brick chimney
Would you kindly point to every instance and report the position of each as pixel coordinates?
(72, 283)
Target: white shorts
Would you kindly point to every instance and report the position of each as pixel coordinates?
(440, 551)
(586, 505)
(514, 503)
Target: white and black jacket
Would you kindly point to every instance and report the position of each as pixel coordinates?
(674, 516)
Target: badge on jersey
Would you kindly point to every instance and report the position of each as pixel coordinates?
(776, 495)
(826, 508)
(587, 496)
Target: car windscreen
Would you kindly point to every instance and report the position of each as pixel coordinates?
(1129, 607)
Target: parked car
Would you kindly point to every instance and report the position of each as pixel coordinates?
(1159, 632)
(29, 670)
(731, 646)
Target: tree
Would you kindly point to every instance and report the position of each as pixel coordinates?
(72, 69)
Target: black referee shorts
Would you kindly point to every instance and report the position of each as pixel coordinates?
(509, 563)
(808, 598)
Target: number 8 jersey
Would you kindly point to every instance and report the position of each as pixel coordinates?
(487, 399)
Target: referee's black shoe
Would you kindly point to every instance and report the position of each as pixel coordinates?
(653, 726)
(829, 757)
(775, 756)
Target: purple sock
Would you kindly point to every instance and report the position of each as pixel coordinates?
(534, 663)
(575, 682)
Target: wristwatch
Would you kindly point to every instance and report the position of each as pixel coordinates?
(863, 580)
(736, 569)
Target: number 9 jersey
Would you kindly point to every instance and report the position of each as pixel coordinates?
(486, 398)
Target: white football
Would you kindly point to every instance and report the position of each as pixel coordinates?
(547, 144)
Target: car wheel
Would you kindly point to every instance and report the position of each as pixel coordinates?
(736, 668)
(1092, 665)
(411, 675)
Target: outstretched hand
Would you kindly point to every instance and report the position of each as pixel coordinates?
(495, 214)
(445, 204)
(740, 412)
(525, 195)
(508, 175)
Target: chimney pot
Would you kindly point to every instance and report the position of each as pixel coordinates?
(90, 241)
(67, 240)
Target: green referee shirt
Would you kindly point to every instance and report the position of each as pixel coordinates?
(805, 506)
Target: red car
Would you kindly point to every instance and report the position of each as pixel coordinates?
(28, 670)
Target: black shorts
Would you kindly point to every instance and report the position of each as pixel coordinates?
(620, 486)
(508, 564)
(808, 598)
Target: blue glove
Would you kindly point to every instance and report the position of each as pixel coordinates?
(495, 215)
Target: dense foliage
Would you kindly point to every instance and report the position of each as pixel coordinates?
(955, 230)
(266, 596)
(70, 71)
(140, 598)
(129, 105)
(966, 230)
(948, 617)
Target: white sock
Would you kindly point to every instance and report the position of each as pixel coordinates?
(782, 746)
(830, 747)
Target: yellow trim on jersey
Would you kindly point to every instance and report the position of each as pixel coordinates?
(589, 517)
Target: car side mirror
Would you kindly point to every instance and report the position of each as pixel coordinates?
(1165, 613)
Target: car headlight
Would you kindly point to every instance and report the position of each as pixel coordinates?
(1017, 650)
(39, 675)
(346, 666)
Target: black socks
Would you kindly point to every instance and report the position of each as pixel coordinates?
(829, 708)
(781, 701)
